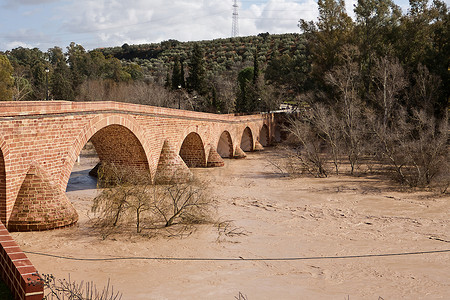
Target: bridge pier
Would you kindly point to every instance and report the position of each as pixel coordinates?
(214, 159)
(239, 153)
(40, 205)
(258, 146)
(171, 167)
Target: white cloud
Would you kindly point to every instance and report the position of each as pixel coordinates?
(106, 23)
(283, 16)
(103, 23)
(27, 37)
(139, 20)
(16, 44)
(18, 3)
(350, 6)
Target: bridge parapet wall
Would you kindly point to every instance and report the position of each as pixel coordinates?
(17, 271)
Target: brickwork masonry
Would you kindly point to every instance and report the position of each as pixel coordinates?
(40, 141)
(17, 271)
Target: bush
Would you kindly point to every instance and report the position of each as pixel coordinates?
(128, 195)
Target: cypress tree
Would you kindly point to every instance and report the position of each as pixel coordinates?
(197, 73)
(183, 82)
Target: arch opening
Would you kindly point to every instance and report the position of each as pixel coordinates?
(247, 140)
(114, 144)
(264, 136)
(277, 134)
(225, 145)
(192, 151)
(117, 144)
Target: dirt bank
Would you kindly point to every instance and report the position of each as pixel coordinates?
(274, 217)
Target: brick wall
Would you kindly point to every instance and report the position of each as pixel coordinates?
(17, 271)
(2, 183)
(40, 141)
(264, 136)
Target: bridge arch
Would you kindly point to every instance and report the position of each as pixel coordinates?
(192, 151)
(247, 140)
(117, 139)
(264, 136)
(225, 145)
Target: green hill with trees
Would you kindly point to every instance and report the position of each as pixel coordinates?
(219, 75)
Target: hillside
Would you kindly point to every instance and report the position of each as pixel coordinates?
(220, 54)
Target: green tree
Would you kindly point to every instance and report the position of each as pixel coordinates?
(255, 67)
(115, 71)
(182, 75)
(61, 81)
(134, 70)
(6, 78)
(27, 57)
(288, 74)
(424, 39)
(80, 64)
(25, 63)
(39, 81)
(177, 74)
(97, 66)
(376, 24)
(244, 97)
(326, 37)
(415, 33)
(196, 80)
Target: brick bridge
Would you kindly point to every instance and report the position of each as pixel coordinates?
(40, 141)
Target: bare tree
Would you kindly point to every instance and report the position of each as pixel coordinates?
(184, 201)
(139, 92)
(327, 125)
(151, 93)
(128, 195)
(22, 87)
(226, 86)
(346, 80)
(425, 91)
(61, 289)
(309, 146)
(389, 80)
(415, 147)
(124, 189)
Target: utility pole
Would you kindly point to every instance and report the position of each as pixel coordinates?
(46, 83)
(235, 25)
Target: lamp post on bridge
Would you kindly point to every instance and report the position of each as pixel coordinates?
(179, 97)
(46, 83)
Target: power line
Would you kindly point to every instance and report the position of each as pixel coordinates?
(240, 258)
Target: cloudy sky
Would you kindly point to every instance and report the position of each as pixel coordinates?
(102, 23)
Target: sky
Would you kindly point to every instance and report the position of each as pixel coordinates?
(104, 23)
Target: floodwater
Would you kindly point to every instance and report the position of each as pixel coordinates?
(264, 215)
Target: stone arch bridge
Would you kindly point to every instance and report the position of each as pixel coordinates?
(40, 141)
